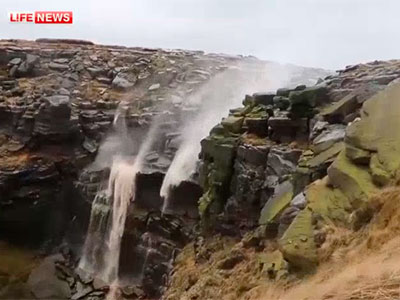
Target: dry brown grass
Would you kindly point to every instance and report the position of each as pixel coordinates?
(361, 265)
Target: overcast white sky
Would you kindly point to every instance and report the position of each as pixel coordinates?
(322, 33)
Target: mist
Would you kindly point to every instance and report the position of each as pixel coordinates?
(223, 92)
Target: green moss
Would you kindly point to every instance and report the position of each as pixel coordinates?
(328, 202)
(297, 244)
(338, 110)
(354, 181)
(325, 156)
(233, 124)
(357, 155)
(378, 130)
(379, 175)
(273, 264)
(275, 205)
(218, 157)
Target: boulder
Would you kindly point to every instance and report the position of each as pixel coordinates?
(15, 61)
(281, 102)
(297, 244)
(329, 203)
(263, 98)
(282, 161)
(273, 265)
(285, 129)
(58, 67)
(377, 130)
(26, 68)
(354, 181)
(299, 201)
(283, 194)
(257, 126)
(120, 83)
(254, 155)
(233, 124)
(337, 111)
(44, 283)
(331, 135)
(325, 157)
(283, 92)
(357, 155)
(54, 116)
(304, 101)
(379, 175)
(96, 72)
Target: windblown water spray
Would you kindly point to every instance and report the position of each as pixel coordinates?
(114, 202)
(224, 91)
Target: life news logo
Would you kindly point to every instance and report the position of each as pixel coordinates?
(42, 17)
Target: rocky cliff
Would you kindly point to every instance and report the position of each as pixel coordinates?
(283, 174)
(66, 106)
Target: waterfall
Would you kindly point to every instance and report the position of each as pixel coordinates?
(92, 258)
(107, 221)
(102, 247)
(121, 189)
(224, 91)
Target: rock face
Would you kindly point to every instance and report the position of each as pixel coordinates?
(261, 174)
(326, 150)
(58, 102)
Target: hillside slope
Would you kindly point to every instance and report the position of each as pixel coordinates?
(291, 183)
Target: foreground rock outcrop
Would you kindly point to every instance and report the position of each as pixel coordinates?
(283, 172)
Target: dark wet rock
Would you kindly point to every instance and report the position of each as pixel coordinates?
(26, 68)
(263, 98)
(81, 291)
(281, 102)
(255, 155)
(283, 92)
(54, 117)
(64, 41)
(337, 112)
(285, 129)
(282, 161)
(247, 186)
(304, 101)
(184, 199)
(258, 126)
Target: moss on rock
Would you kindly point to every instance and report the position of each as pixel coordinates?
(329, 203)
(379, 175)
(378, 130)
(297, 244)
(357, 155)
(353, 180)
(233, 124)
(274, 206)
